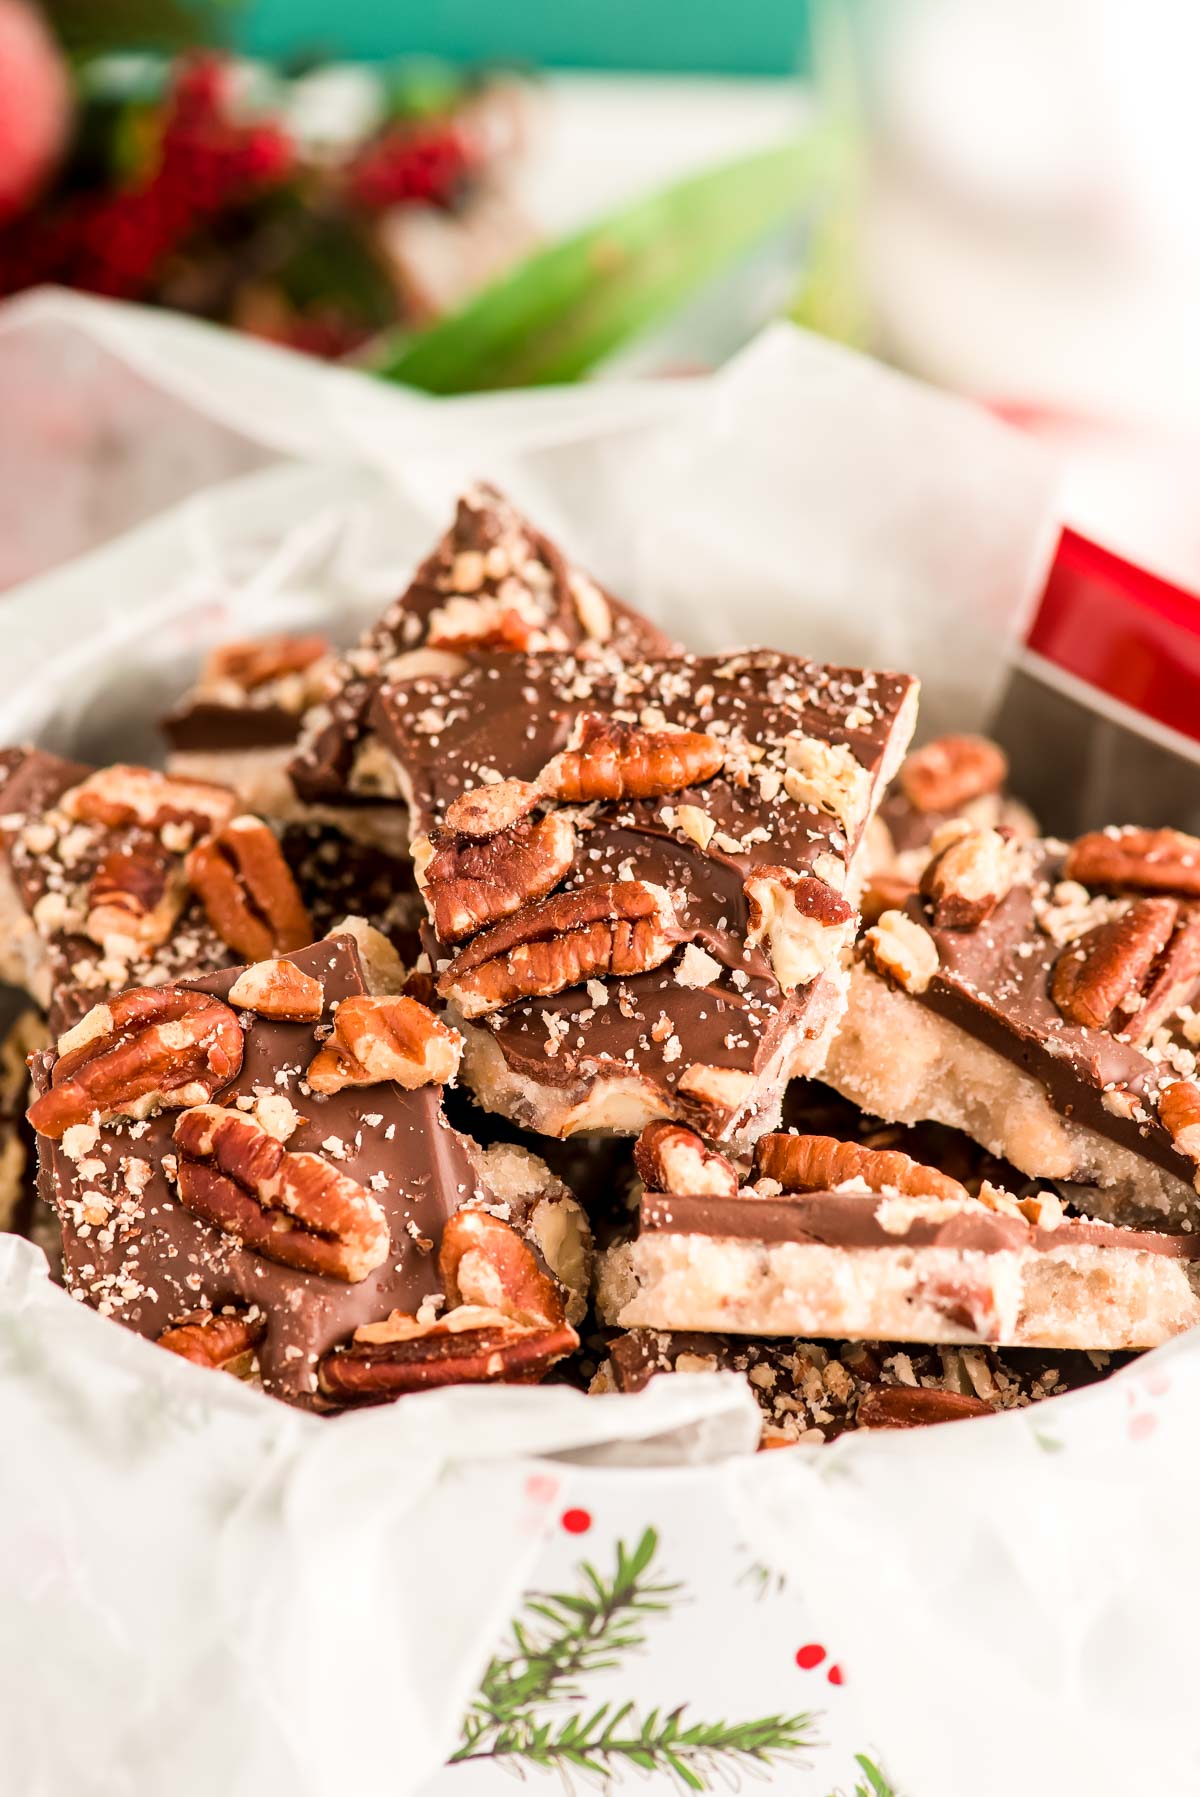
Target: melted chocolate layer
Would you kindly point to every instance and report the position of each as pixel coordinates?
(847, 1220)
(154, 1261)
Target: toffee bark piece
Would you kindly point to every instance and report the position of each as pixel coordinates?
(240, 722)
(22, 1033)
(981, 1044)
(845, 1265)
(811, 1392)
(143, 1250)
(89, 906)
(755, 875)
(493, 582)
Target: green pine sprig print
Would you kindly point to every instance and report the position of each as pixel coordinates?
(872, 1783)
(562, 1638)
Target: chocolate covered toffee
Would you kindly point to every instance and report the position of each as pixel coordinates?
(837, 1240)
(253, 1169)
(1042, 1001)
(640, 876)
(493, 582)
(627, 892)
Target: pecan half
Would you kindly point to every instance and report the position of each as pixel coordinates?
(1136, 860)
(968, 876)
(123, 794)
(670, 1157)
(292, 1207)
(952, 770)
(506, 1321)
(1179, 1114)
(484, 1262)
(280, 990)
(385, 1038)
(248, 892)
(803, 921)
(1172, 984)
(224, 1343)
(1098, 981)
(467, 1347)
(823, 1163)
(901, 950)
(137, 894)
(914, 1406)
(608, 760)
(259, 660)
(155, 1047)
(618, 927)
(469, 882)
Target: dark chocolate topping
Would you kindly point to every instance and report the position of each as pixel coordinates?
(848, 1220)
(522, 562)
(509, 715)
(207, 726)
(155, 1261)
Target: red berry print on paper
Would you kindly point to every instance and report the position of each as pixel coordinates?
(576, 1522)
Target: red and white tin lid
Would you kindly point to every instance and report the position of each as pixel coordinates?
(1120, 640)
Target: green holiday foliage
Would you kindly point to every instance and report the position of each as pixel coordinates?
(563, 1637)
(873, 1783)
(571, 304)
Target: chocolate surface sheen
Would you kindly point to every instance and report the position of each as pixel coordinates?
(507, 716)
(154, 1261)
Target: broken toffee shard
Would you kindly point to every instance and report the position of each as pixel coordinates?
(640, 876)
(834, 1240)
(253, 1169)
(1055, 1025)
(494, 582)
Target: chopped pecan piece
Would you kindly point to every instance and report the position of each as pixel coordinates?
(155, 1047)
(823, 1163)
(952, 770)
(828, 776)
(136, 894)
(292, 1207)
(385, 1038)
(901, 950)
(280, 990)
(609, 760)
(1179, 1114)
(122, 794)
(225, 1343)
(469, 882)
(258, 661)
(913, 1406)
(490, 623)
(884, 892)
(670, 1157)
(247, 890)
(716, 1093)
(619, 927)
(1098, 981)
(1136, 860)
(967, 876)
(486, 810)
(804, 922)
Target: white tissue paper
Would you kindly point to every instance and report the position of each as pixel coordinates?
(203, 1591)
